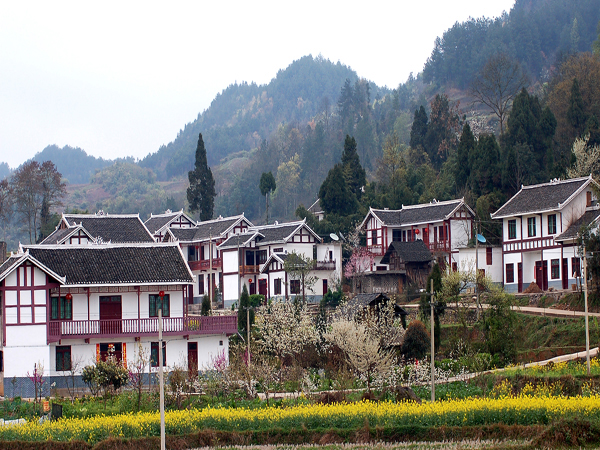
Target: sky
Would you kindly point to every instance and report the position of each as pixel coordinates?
(122, 78)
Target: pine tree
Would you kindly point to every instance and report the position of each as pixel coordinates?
(244, 304)
(355, 175)
(201, 193)
(465, 147)
(335, 196)
(575, 113)
(419, 128)
(267, 185)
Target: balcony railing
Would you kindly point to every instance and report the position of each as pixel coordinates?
(172, 326)
(325, 265)
(439, 246)
(250, 269)
(376, 250)
(205, 264)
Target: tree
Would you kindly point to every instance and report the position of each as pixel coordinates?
(5, 200)
(416, 341)
(442, 132)
(34, 184)
(201, 192)
(137, 369)
(466, 146)
(243, 307)
(357, 266)
(418, 130)
(299, 267)
(267, 185)
(575, 113)
(336, 197)
(497, 84)
(354, 173)
(587, 159)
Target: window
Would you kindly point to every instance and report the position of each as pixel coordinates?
(61, 308)
(575, 264)
(63, 357)
(552, 224)
(201, 284)
(512, 229)
(262, 256)
(112, 350)
(373, 237)
(154, 354)
(510, 273)
(588, 198)
(531, 227)
(396, 235)
(409, 235)
(555, 269)
(454, 267)
(404, 235)
(294, 286)
(278, 250)
(488, 256)
(155, 305)
(441, 234)
(277, 286)
(191, 253)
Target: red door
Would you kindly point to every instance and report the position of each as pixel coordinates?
(262, 287)
(325, 286)
(110, 314)
(192, 359)
(539, 275)
(520, 276)
(565, 273)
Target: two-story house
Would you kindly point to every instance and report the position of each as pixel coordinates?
(256, 259)
(444, 227)
(200, 245)
(539, 227)
(63, 304)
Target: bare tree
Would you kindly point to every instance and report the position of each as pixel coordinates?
(34, 185)
(497, 84)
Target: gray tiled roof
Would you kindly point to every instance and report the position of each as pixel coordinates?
(276, 234)
(573, 230)
(205, 230)
(57, 235)
(115, 229)
(238, 239)
(316, 207)
(9, 262)
(415, 251)
(155, 223)
(540, 197)
(114, 264)
(417, 214)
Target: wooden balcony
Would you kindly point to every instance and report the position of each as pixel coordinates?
(439, 246)
(172, 326)
(325, 265)
(204, 264)
(250, 269)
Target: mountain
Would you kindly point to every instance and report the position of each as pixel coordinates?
(245, 114)
(537, 33)
(73, 163)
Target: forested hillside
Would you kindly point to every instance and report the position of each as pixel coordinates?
(537, 33)
(75, 165)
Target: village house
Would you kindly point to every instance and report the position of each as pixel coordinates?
(64, 305)
(82, 229)
(540, 225)
(200, 247)
(256, 259)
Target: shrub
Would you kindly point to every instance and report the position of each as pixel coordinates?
(416, 341)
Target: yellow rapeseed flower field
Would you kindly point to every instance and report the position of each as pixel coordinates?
(523, 410)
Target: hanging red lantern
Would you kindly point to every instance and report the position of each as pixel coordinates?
(69, 296)
(417, 231)
(249, 280)
(161, 294)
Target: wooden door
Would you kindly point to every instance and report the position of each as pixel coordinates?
(110, 314)
(545, 275)
(565, 273)
(192, 360)
(520, 277)
(325, 288)
(539, 275)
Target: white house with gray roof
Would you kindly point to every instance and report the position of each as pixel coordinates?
(255, 258)
(159, 224)
(63, 304)
(540, 224)
(444, 227)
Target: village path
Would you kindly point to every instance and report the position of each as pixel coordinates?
(534, 310)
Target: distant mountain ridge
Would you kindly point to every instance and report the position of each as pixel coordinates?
(244, 114)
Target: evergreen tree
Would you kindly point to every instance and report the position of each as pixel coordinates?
(419, 128)
(267, 185)
(355, 175)
(465, 147)
(576, 113)
(201, 192)
(244, 304)
(484, 161)
(336, 197)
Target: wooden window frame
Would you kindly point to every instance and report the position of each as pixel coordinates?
(154, 300)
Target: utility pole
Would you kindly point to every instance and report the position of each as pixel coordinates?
(248, 333)
(477, 266)
(210, 274)
(161, 382)
(431, 300)
(587, 323)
